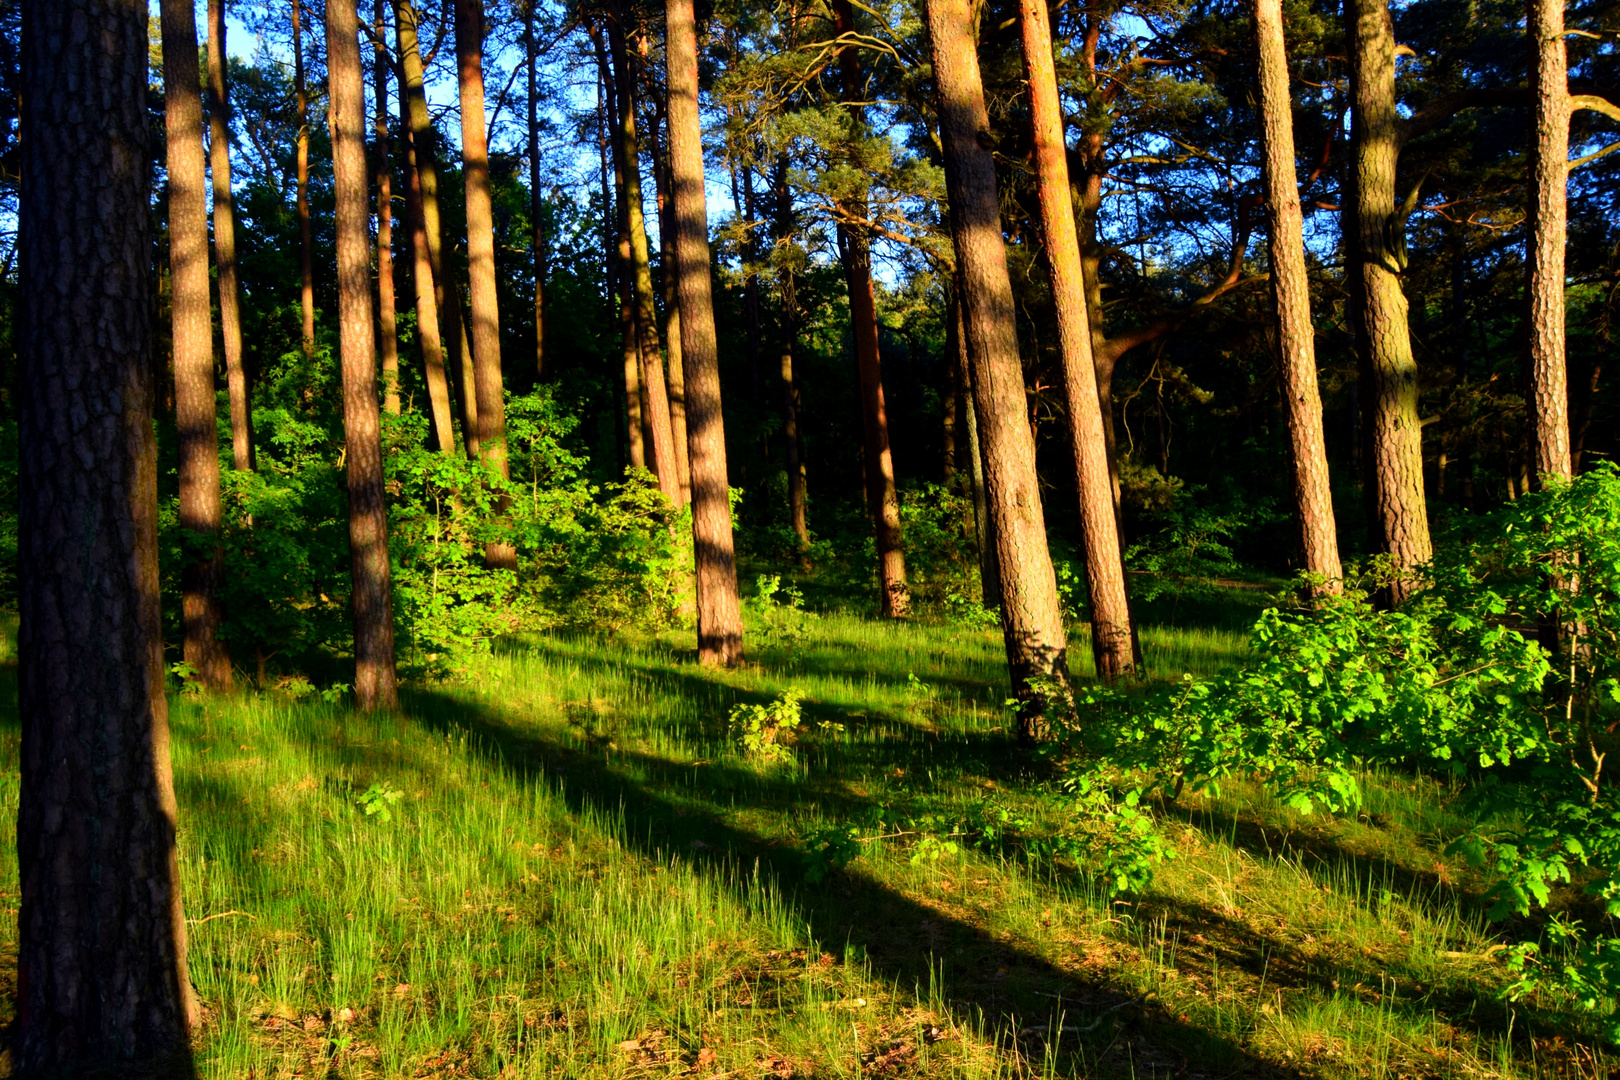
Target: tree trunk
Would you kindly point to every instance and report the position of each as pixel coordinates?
(190, 308)
(1400, 525)
(422, 231)
(1111, 634)
(883, 501)
(374, 683)
(672, 320)
(230, 290)
(387, 328)
(1290, 288)
(646, 305)
(101, 934)
(306, 256)
(1549, 183)
(489, 386)
(790, 385)
(949, 407)
(537, 236)
(983, 538)
(1031, 618)
(629, 339)
(719, 615)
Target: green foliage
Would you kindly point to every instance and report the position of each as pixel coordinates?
(765, 732)
(377, 799)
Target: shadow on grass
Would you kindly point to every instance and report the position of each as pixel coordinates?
(907, 943)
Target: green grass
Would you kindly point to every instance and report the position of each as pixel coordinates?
(584, 879)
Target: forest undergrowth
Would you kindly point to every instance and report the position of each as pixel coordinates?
(565, 864)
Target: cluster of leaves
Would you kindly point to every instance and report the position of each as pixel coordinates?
(766, 732)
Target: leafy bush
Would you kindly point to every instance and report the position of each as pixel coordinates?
(765, 731)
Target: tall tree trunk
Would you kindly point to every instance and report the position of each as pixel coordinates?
(387, 325)
(1111, 634)
(672, 317)
(374, 683)
(983, 537)
(423, 230)
(230, 290)
(306, 255)
(883, 501)
(1400, 525)
(949, 407)
(425, 150)
(750, 254)
(1549, 184)
(646, 305)
(629, 339)
(101, 934)
(489, 386)
(537, 236)
(195, 414)
(1031, 617)
(790, 386)
(1290, 288)
(719, 614)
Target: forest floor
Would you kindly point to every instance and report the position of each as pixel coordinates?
(575, 873)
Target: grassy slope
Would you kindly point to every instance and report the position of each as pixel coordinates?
(583, 879)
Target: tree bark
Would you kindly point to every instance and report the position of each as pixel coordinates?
(306, 256)
(230, 289)
(983, 538)
(423, 231)
(790, 386)
(629, 339)
(1400, 523)
(655, 389)
(1111, 634)
(1031, 618)
(195, 413)
(374, 681)
(101, 953)
(672, 319)
(883, 500)
(387, 323)
(1549, 184)
(489, 386)
(719, 615)
(537, 236)
(1290, 289)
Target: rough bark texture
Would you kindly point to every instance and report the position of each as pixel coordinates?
(230, 289)
(1400, 523)
(1111, 636)
(882, 498)
(654, 388)
(629, 339)
(424, 224)
(101, 954)
(790, 387)
(1296, 336)
(672, 317)
(719, 615)
(488, 385)
(984, 540)
(387, 323)
(374, 683)
(1549, 184)
(537, 236)
(306, 256)
(195, 421)
(1031, 618)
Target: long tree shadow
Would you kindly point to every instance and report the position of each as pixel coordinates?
(907, 943)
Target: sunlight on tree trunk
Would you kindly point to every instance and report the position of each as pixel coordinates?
(387, 324)
(1545, 227)
(230, 289)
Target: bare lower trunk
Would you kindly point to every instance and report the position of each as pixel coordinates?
(672, 320)
(790, 386)
(629, 339)
(984, 540)
(387, 324)
(101, 934)
(1400, 523)
(1031, 617)
(719, 614)
(306, 256)
(1296, 336)
(374, 682)
(1549, 182)
(428, 328)
(195, 415)
(1111, 632)
(489, 388)
(230, 289)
